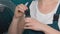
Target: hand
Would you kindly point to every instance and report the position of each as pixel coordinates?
(33, 24)
(19, 11)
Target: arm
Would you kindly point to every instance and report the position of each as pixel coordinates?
(50, 30)
(20, 26)
(33, 24)
(13, 27)
(17, 24)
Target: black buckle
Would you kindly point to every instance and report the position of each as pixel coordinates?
(56, 17)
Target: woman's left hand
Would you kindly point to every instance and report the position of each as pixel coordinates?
(33, 24)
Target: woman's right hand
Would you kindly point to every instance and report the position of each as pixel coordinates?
(19, 11)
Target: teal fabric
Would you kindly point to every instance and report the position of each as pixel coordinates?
(20, 1)
(54, 25)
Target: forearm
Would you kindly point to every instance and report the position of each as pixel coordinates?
(17, 25)
(50, 30)
(21, 25)
(13, 27)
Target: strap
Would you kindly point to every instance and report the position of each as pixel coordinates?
(27, 12)
(56, 16)
(58, 11)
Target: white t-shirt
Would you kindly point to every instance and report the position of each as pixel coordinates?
(44, 18)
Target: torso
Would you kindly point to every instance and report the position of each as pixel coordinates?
(44, 18)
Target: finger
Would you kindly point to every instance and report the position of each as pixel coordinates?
(20, 10)
(26, 21)
(25, 7)
(22, 7)
(27, 27)
(18, 14)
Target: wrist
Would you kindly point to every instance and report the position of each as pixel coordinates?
(50, 30)
(45, 28)
(16, 19)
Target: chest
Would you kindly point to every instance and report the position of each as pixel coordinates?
(44, 18)
(46, 8)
